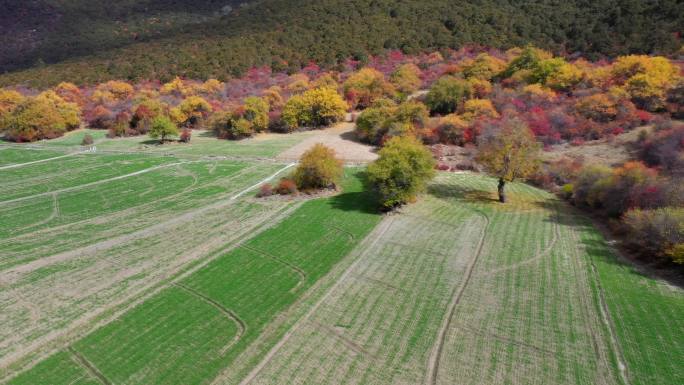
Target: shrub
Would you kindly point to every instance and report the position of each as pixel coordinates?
(590, 184)
(9, 100)
(664, 149)
(658, 232)
(599, 107)
(447, 94)
(231, 125)
(528, 59)
(45, 116)
(273, 97)
(401, 172)
(286, 187)
(191, 112)
(480, 88)
(256, 112)
(484, 67)
(314, 108)
(479, 108)
(112, 91)
(145, 112)
(318, 168)
(69, 92)
(212, 87)
(451, 129)
(646, 79)
(365, 86)
(87, 140)
(176, 87)
(162, 128)
(406, 79)
(186, 135)
(564, 77)
(100, 117)
(370, 123)
(265, 190)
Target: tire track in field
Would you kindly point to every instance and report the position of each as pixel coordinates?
(505, 339)
(606, 318)
(301, 273)
(382, 228)
(586, 308)
(341, 230)
(53, 215)
(91, 184)
(89, 367)
(436, 354)
(346, 341)
(39, 161)
(544, 253)
(242, 327)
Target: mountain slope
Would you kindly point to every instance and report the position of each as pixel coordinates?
(197, 39)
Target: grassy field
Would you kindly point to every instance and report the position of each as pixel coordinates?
(460, 289)
(96, 241)
(152, 268)
(203, 143)
(192, 329)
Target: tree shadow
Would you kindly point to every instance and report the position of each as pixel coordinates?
(462, 193)
(365, 201)
(207, 134)
(360, 201)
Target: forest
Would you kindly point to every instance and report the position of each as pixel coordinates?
(45, 42)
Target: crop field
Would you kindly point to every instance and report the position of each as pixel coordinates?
(152, 268)
(458, 289)
(205, 302)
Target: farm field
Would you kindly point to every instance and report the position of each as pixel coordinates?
(459, 289)
(152, 268)
(218, 298)
(68, 255)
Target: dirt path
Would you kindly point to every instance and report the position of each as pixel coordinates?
(436, 354)
(340, 138)
(381, 230)
(38, 161)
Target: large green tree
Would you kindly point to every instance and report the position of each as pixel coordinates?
(402, 171)
(162, 128)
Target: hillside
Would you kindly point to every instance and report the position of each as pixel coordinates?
(158, 39)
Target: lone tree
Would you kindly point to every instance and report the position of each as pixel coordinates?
(508, 151)
(163, 127)
(402, 171)
(318, 168)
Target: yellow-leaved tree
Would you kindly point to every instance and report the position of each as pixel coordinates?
(509, 152)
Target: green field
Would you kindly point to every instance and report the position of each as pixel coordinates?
(152, 268)
(459, 289)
